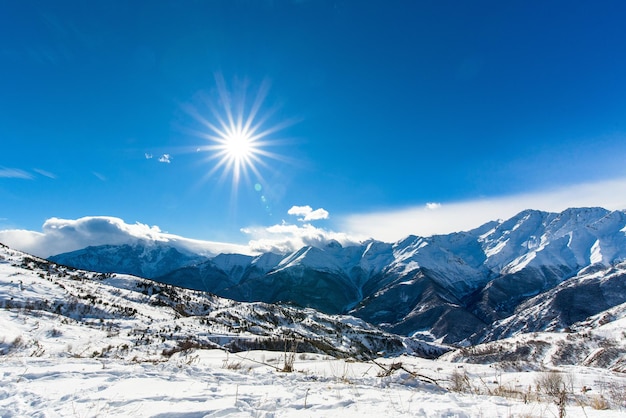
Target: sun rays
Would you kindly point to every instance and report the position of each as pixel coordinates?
(238, 133)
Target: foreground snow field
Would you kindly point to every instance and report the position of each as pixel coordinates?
(79, 344)
(211, 383)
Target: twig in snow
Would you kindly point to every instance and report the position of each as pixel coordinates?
(388, 371)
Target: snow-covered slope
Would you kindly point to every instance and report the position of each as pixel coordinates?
(120, 314)
(593, 290)
(574, 238)
(451, 286)
(598, 341)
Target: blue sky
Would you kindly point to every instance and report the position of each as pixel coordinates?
(385, 113)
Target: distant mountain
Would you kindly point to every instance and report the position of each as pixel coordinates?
(143, 259)
(469, 286)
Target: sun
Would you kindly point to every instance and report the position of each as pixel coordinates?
(237, 133)
(237, 149)
(238, 146)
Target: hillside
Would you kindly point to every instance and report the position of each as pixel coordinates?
(127, 313)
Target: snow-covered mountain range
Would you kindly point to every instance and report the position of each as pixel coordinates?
(79, 343)
(535, 271)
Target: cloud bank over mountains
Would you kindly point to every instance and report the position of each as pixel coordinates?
(286, 237)
(63, 235)
(444, 218)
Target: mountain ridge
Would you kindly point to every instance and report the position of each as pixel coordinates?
(455, 287)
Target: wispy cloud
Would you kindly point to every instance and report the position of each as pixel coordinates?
(14, 173)
(99, 176)
(424, 220)
(148, 156)
(45, 173)
(307, 213)
(165, 158)
(63, 235)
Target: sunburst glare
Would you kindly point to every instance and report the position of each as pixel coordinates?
(237, 133)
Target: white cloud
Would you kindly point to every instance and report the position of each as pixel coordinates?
(307, 213)
(14, 173)
(63, 235)
(286, 237)
(45, 173)
(395, 224)
(148, 156)
(165, 158)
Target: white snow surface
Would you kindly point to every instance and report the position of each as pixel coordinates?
(596, 253)
(211, 383)
(107, 360)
